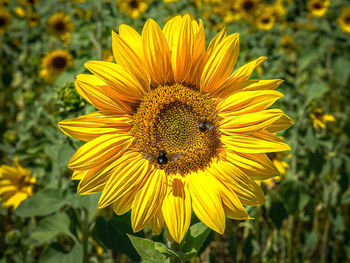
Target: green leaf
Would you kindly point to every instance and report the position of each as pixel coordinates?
(147, 250)
(112, 232)
(52, 255)
(294, 195)
(277, 212)
(194, 239)
(341, 69)
(49, 227)
(43, 203)
(315, 90)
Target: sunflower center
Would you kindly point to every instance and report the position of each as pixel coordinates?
(2, 21)
(347, 20)
(248, 6)
(317, 6)
(59, 63)
(134, 4)
(176, 128)
(265, 20)
(60, 26)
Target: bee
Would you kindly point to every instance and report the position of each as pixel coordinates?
(162, 159)
(203, 126)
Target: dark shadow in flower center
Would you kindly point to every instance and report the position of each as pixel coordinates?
(2, 21)
(248, 6)
(134, 4)
(60, 27)
(59, 63)
(317, 6)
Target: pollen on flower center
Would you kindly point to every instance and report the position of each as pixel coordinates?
(168, 119)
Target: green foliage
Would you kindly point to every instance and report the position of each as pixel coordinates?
(306, 214)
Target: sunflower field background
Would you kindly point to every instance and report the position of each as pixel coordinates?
(43, 46)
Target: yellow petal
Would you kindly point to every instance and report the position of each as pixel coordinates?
(232, 86)
(157, 222)
(251, 122)
(131, 172)
(243, 73)
(92, 125)
(246, 189)
(257, 166)
(247, 102)
(206, 201)
(123, 204)
(99, 94)
(157, 54)
(78, 175)
(132, 38)
(219, 37)
(103, 149)
(182, 49)
(125, 85)
(177, 209)
(282, 123)
(260, 142)
(148, 200)
(220, 64)
(129, 59)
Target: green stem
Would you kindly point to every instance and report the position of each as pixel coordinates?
(85, 232)
(174, 246)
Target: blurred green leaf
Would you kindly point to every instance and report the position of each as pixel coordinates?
(341, 69)
(294, 195)
(43, 203)
(49, 227)
(146, 249)
(52, 255)
(315, 90)
(194, 238)
(277, 212)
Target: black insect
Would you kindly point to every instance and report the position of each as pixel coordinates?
(203, 126)
(162, 158)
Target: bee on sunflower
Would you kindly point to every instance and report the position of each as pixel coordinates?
(16, 184)
(319, 119)
(176, 131)
(5, 20)
(318, 8)
(133, 8)
(60, 26)
(54, 63)
(344, 20)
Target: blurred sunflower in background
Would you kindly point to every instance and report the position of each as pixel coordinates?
(5, 20)
(319, 119)
(266, 19)
(4, 3)
(61, 26)
(318, 8)
(16, 184)
(133, 8)
(344, 20)
(287, 44)
(247, 8)
(175, 131)
(28, 3)
(54, 63)
(33, 18)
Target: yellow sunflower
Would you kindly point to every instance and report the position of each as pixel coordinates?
(16, 184)
(344, 20)
(27, 3)
(265, 20)
(60, 25)
(33, 18)
(4, 3)
(319, 119)
(133, 8)
(5, 20)
(287, 44)
(54, 63)
(318, 7)
(176, 131)
(247, 8)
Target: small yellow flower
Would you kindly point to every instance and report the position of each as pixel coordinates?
(133, 8)
(16, 184)
(33, 18)
(20, 12)
(176, 130)
(60, 25)
(319, 119)
(344, 20)
(265, 20)
(318, 8)
(54, 63)
(5, 20)
(247, 8)
(287, 44)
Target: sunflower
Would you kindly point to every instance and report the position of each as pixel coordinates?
(54, 63)
(319, 119)
(133, 8)
(5, 20)
(287, 44)
(33, 18)
(4, 3)
(265, 20)
(16, 184)
(28, 3)
(344, 20)
(247, 8)
(60, 25)
(318, 8)
(175, 131)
